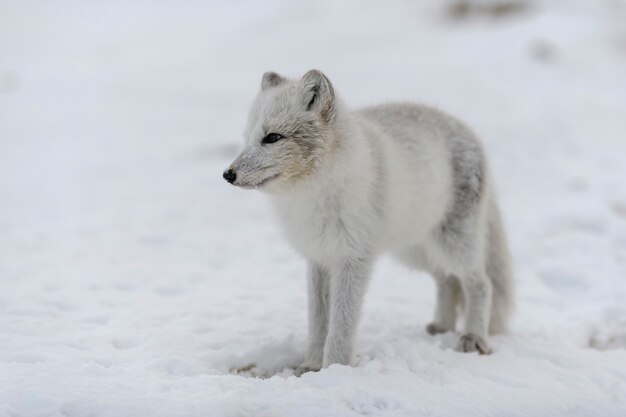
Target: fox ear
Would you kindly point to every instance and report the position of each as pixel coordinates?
(271, 79)
(319, 95)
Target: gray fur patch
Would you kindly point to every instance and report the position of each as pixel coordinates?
(468, 164)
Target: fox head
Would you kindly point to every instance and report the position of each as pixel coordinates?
(289, 132)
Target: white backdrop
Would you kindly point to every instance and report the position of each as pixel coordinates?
(133, 279)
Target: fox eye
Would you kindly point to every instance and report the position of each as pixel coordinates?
(272, 138)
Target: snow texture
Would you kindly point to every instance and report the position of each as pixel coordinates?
(135, 282)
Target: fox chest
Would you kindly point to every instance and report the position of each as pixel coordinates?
(324, 233)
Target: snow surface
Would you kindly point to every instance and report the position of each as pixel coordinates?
(135, 282)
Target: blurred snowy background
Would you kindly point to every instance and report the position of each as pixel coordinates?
(133, 279)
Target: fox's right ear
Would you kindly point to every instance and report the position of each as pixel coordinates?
(271, 79)
(319, 94)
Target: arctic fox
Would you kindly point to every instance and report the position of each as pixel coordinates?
(349, 185)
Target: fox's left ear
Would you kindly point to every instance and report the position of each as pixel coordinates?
(271, 79)
(319, 95)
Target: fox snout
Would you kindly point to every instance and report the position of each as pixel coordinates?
(247, 170)
(230, 175)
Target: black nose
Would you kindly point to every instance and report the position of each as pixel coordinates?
(230, 176)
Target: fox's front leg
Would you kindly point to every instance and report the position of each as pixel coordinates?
(318, 281)
(347, 287)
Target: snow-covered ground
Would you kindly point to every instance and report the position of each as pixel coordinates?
(134, 281)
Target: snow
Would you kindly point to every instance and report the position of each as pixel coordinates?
(135, 282)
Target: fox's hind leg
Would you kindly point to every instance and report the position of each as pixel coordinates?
(477, 292)
(448, 297)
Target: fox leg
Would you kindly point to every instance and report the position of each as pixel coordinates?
(448, 294)
(347, 288)
(318, 282)
(477, 293)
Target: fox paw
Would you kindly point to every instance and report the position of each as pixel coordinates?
(471, 342)
(304, 368)
(436, 328)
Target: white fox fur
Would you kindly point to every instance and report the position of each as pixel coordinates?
(349, 185)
